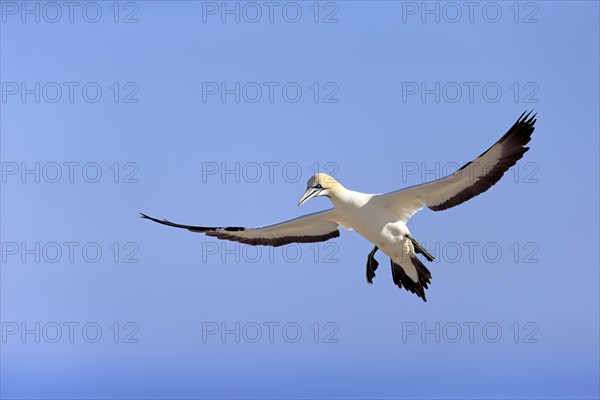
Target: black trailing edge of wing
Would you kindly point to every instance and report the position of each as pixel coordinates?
(513, 147)
(229, 233)
(274, 242)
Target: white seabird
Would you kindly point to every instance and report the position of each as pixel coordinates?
(382, 218)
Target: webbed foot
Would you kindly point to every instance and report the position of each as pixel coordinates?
(372, 265)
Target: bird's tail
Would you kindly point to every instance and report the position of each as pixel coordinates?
(404, 281)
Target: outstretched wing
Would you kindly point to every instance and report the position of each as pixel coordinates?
(470, 180)
(316, 227)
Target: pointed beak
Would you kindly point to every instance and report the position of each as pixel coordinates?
(309, 194)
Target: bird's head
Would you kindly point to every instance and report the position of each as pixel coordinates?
(319, 185)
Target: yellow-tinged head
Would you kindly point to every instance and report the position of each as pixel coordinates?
(320, 185)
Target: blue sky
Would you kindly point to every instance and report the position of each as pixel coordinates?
(180, 111)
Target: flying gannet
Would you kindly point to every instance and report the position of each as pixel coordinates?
(382, 218)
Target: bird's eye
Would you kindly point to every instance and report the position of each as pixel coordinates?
(318, 186)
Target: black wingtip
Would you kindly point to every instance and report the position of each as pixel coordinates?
(148, 217)
(527, 118)
(192, 228)
(164, 221)
(521, 116)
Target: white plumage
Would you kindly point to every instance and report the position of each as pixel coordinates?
(382, 218)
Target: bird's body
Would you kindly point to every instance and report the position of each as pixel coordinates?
(382, 218)
(366, 215)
